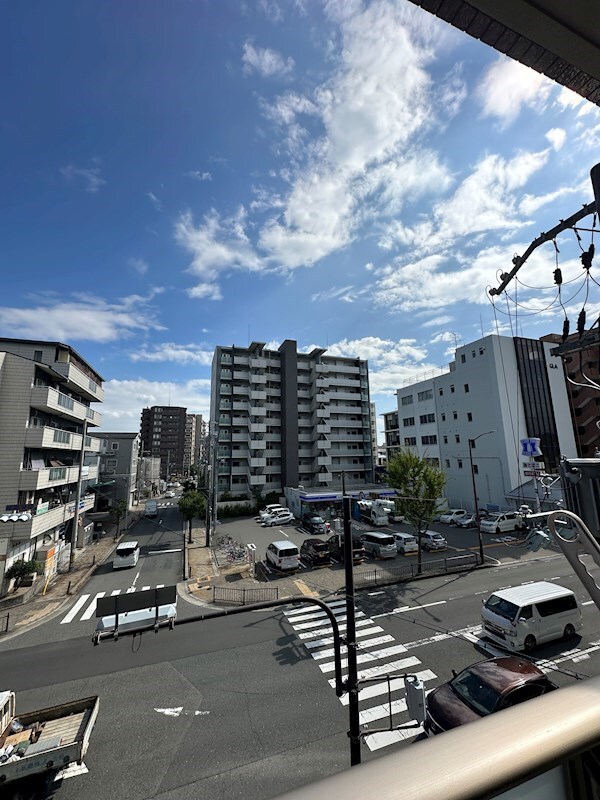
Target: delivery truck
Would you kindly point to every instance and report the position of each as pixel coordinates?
(151, 508)
(37, 746)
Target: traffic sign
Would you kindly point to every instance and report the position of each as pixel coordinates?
(533, 472)
(530, 447)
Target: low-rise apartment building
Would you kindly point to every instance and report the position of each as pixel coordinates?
(119, 456)
(46, 417)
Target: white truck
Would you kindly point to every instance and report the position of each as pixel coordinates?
(37, 746)
(151, 508)
(390, 507)
(373, 512)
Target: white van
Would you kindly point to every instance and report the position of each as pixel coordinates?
(524, 616)
(127, 554)
(283, 555)
(379, 545)
(502, 522)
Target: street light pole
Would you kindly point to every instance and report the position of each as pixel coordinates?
(476, 503)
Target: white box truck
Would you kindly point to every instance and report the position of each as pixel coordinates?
(151, 508)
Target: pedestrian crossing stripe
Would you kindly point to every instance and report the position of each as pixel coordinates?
(91, 608)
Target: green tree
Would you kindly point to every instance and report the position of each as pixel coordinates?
(20, 570)
(118, 511)
(257, 498)
(419, 487)
(191, 505)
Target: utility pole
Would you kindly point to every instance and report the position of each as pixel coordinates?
(352, 680)
(475, 501)
(75, 526)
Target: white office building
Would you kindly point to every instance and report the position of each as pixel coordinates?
(284, 418)
(498, 391)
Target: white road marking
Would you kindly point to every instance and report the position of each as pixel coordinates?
(378, 689)
(144, 588)
(115, 592)
(588, 603)
(158, 552)
(73, 612)
(317, 613)
(371, 642)
(91, 609)
(135, 579)
(306, 625)
(298, 611)
(378, 740)
(363, 658)
(402, 609)
(329, 639)
(327, 630)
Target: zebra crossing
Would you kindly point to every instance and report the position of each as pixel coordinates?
(314, 631)
(87, 607)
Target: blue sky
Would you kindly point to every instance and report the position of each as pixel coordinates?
(351, 175)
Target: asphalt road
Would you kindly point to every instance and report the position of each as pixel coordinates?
(243, 706)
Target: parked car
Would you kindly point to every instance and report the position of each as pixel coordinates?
(313, 523)
(283, 555)
(336, 548)
(432, 540)
(406, 543)
(502, 523)
(278, 518)
(315, 551)
(268, 510)
(482, 689)
(169, 493)
(452, 516)
(470, 520)
(379, 545)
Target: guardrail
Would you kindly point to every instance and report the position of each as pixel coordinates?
(385, 575)
(242, 597)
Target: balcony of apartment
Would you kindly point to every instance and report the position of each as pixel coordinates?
(47, 477)
(274, 421)
(239, 436)
(321, 461)
(348, 451)
(324, 477)
(46, 519)
(52, 401)
(239, 470)
(322, 413)
(304, 379)
(239, 405)
(258, 378)
(257, 362)
(257, 428)
(256, 480)
(225, 389)
(240, 375)
(346, 409)
(257, 462)
(323, 427)
(272, 437)
(78, 381)
(345, 394)
(240, 390)
(321, 369)
(256, 444)
(305, 437)
(46, 436)
(321, 383)
(240, 420)
(258, 394)
(348, 369)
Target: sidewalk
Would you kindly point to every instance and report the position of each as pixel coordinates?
(64, 585)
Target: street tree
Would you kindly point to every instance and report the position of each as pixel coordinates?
(20, 570)
(191, 505)
(118, 511)
(419, 486)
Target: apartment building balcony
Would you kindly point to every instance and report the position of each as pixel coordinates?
(272, 437)
(240, 420)
(257, 461)
(239, 405)
(258, 427)
(324, 477)
(321, 383)
(225, 404)
(239, 436)
(347, 451)
(257, 378)
(51, 400)
(256, 362)
(241, 361)
(44, 436)
(256, 444)
(347, 409)
(224, 389)
(240, 390)
(323, 427)
(241, 375)
(256, 480)
(46, 520)
(323, 413)
(32, 479)
(344, 394)
(258, 394)
(79, 382)
(323, 444)
(238, 470)
(258, 411)
(321, 369)
(274, 469)
(304, 379)
(322, 461)
(274, 421)
(349, 369)
(305, 437)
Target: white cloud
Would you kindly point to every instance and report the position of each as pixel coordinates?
(196, 175)
(556, 137)
(138, 265)
(91, 176)
(124, 400)
(508, 86)
(216, 245)
(154, 200)
(268, 63)
(174, 353)
(531, 203)
(84, 318)
(436, 322)
(346, 294)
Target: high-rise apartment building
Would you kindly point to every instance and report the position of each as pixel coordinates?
(189, 442)
(374, 431)
(46, 417)
(496, 392)
(163, 436)
(284, 418)
(200, 454)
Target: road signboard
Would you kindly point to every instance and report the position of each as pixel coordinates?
(530, 447)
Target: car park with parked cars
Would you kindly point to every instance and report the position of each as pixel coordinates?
(469, 521)
(482, 689)
(406, 543)
(267, 511)
(452, 516)
(315, 552)
(502, 522)
(283, 517)
(313, 523)
(169, 493)
(283, 556)
(432, 540)
(379, 545)
(336, 548)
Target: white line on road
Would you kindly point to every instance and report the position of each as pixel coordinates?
(157, 552)
(363, 658)
(409, 608)
(294, 612)
(327, 629)
(92, 606)
(330, 652)
(329, 639)
(115, 592)
(73, 612)
(378, 689)
(135, 580)
(144, 588)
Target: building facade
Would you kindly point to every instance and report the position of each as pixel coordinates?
(148, 476)
(200, 442)
(498, 391)
(48, 449)
(162, 435)
(119, 455)
(284, 418)
(189, 443)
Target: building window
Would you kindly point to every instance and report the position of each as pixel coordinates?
(428, 439)
(408, 421)
(445, 440)
(452, 390)
(38, 355)
(475, 469)
(469, 416)
(410, 441)
(111, 462)
(466, 388)
(455, 414)
(114, 445)
(426, 395)
(481, 350)
(447, 463)
(443, 418)
(473, 353)
(441, 391)
(463, 358)
(406, 400)
(457, 438)
(472, 443)
(425, 418)
(459, 463)
(433, 462)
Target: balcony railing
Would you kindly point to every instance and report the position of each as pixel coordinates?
(79, 381)
(46, 520)
(49, 399)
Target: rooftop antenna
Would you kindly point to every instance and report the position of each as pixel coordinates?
(456, 338)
